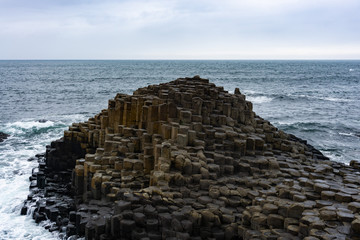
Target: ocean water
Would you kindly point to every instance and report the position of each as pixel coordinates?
(315, 100)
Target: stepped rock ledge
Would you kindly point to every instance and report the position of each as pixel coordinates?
(188, 160)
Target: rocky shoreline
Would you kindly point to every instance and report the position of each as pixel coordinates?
(188, 160)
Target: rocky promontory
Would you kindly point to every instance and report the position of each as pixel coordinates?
(189, 160)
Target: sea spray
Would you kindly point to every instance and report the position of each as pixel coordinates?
(27, 139)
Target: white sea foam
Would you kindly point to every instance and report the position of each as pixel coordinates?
(331, 99)
(335, 156)
(283, 122)
(14, 190)
(72, 118)
(15, 170)
(347, 134)
(249, 92)
(12, 224)
(259, 99)
(21, 127)
(30, 124)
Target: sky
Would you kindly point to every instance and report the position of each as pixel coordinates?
(180, 29)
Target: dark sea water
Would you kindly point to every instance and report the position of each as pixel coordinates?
(316, 100)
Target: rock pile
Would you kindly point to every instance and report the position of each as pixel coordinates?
(188, 160)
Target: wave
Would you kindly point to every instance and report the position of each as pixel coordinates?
(332, 99)
(298, 123)
(30, 124)
(347, 134)
(28, 137)
(303, 126)
(251, 92)
(231, 90)
(108, 78)
(259, 99)
(295, 97)
(13, 225)
(30, 128)
(351, 134)
(68, 119)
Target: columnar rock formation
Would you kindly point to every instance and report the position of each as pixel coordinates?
(186, 159)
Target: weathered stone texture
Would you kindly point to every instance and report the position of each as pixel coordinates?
(188, 160)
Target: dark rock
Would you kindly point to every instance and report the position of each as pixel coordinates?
(138, 233)
(38, 217)
(188, 160)
(24, 210)
(3, 136)
(70, 230)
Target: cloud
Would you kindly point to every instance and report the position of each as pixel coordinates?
(178, 28)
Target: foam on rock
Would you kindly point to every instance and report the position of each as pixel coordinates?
(186, 159)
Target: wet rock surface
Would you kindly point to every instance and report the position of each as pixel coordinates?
(188, 160)
(3, 136)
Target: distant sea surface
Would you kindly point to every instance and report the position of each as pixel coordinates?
(316, 100)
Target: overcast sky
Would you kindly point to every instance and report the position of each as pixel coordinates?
(180, 29)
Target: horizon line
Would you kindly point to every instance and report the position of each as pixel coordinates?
(189, 59)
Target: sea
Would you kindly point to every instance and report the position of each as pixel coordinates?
(318, 101)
